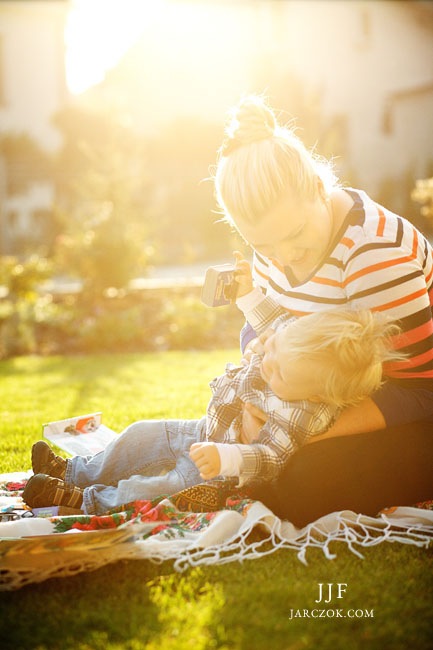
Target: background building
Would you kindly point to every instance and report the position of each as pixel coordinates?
(32, 88)
(358, 75)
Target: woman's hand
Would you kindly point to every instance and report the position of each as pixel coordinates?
(253, 420)
(206, 458)
(243, 275)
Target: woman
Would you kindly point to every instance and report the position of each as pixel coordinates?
(318, 246)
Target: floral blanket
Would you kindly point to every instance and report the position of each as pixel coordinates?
(33, 549)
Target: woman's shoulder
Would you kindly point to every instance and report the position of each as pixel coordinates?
(370, 223)
(367, 214)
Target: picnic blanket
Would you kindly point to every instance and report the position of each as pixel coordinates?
(33, 549)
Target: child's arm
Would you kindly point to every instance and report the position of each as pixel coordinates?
(281, 436)
(207, 455)
(265, 458)
(215, 458)
(260, 311)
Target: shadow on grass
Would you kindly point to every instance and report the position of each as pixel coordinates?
(136, 605)
(111, 605)
(386, 604)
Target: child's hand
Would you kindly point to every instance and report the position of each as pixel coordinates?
(255, 346)
(206, 458)
(243, 274)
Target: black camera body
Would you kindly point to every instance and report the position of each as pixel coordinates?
(220, 286)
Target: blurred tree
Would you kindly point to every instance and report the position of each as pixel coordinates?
(181, 156)
(26, 164)
(423, 194)
(301, 108)
(103, 192)
(25, 161)
(23, 306)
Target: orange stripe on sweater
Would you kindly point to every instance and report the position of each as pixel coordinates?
(384, 265)
(279, 266)
(400, 301)
(263, 275)
(347, 242)
(381, 225)
(412, 362)
(413, 336)
(421, 359)
(330, 283)
(411, 375)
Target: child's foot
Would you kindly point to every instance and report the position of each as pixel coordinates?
(45, 461)
(42, 490)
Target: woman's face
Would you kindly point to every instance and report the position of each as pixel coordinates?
(294, 234)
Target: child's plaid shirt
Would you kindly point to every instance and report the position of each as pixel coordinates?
(288, 426)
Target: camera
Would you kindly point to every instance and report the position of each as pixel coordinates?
(220, 286)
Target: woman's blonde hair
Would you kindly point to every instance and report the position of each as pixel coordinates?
(260, 161)
(350, 346)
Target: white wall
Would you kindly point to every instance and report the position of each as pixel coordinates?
(356, 55)
(32, 60)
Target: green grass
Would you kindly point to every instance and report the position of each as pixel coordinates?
(137, 605)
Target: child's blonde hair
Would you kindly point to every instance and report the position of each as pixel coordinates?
(352, 347)
(260, 161)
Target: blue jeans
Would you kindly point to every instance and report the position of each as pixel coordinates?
(149, 459)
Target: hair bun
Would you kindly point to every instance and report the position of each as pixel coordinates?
(251, 121)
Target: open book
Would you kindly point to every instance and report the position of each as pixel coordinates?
(83, 435)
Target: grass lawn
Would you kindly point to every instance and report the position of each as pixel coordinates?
(135, 605)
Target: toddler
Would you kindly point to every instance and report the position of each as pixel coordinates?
(300, 375)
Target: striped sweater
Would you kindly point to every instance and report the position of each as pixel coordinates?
(377, 261)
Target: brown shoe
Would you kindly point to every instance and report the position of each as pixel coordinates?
(45, 461)
(42, 490)
(64, 511)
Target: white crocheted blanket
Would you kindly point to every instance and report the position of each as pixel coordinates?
(33, 549)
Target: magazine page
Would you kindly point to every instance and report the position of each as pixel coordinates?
(83, 435)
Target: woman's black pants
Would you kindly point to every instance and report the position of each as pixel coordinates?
(363, 473)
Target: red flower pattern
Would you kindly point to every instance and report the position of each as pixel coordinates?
(96, 523)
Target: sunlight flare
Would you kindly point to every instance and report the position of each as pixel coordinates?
(99, 32)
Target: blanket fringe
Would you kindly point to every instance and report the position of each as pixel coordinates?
(352, 529)
(190, 539)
